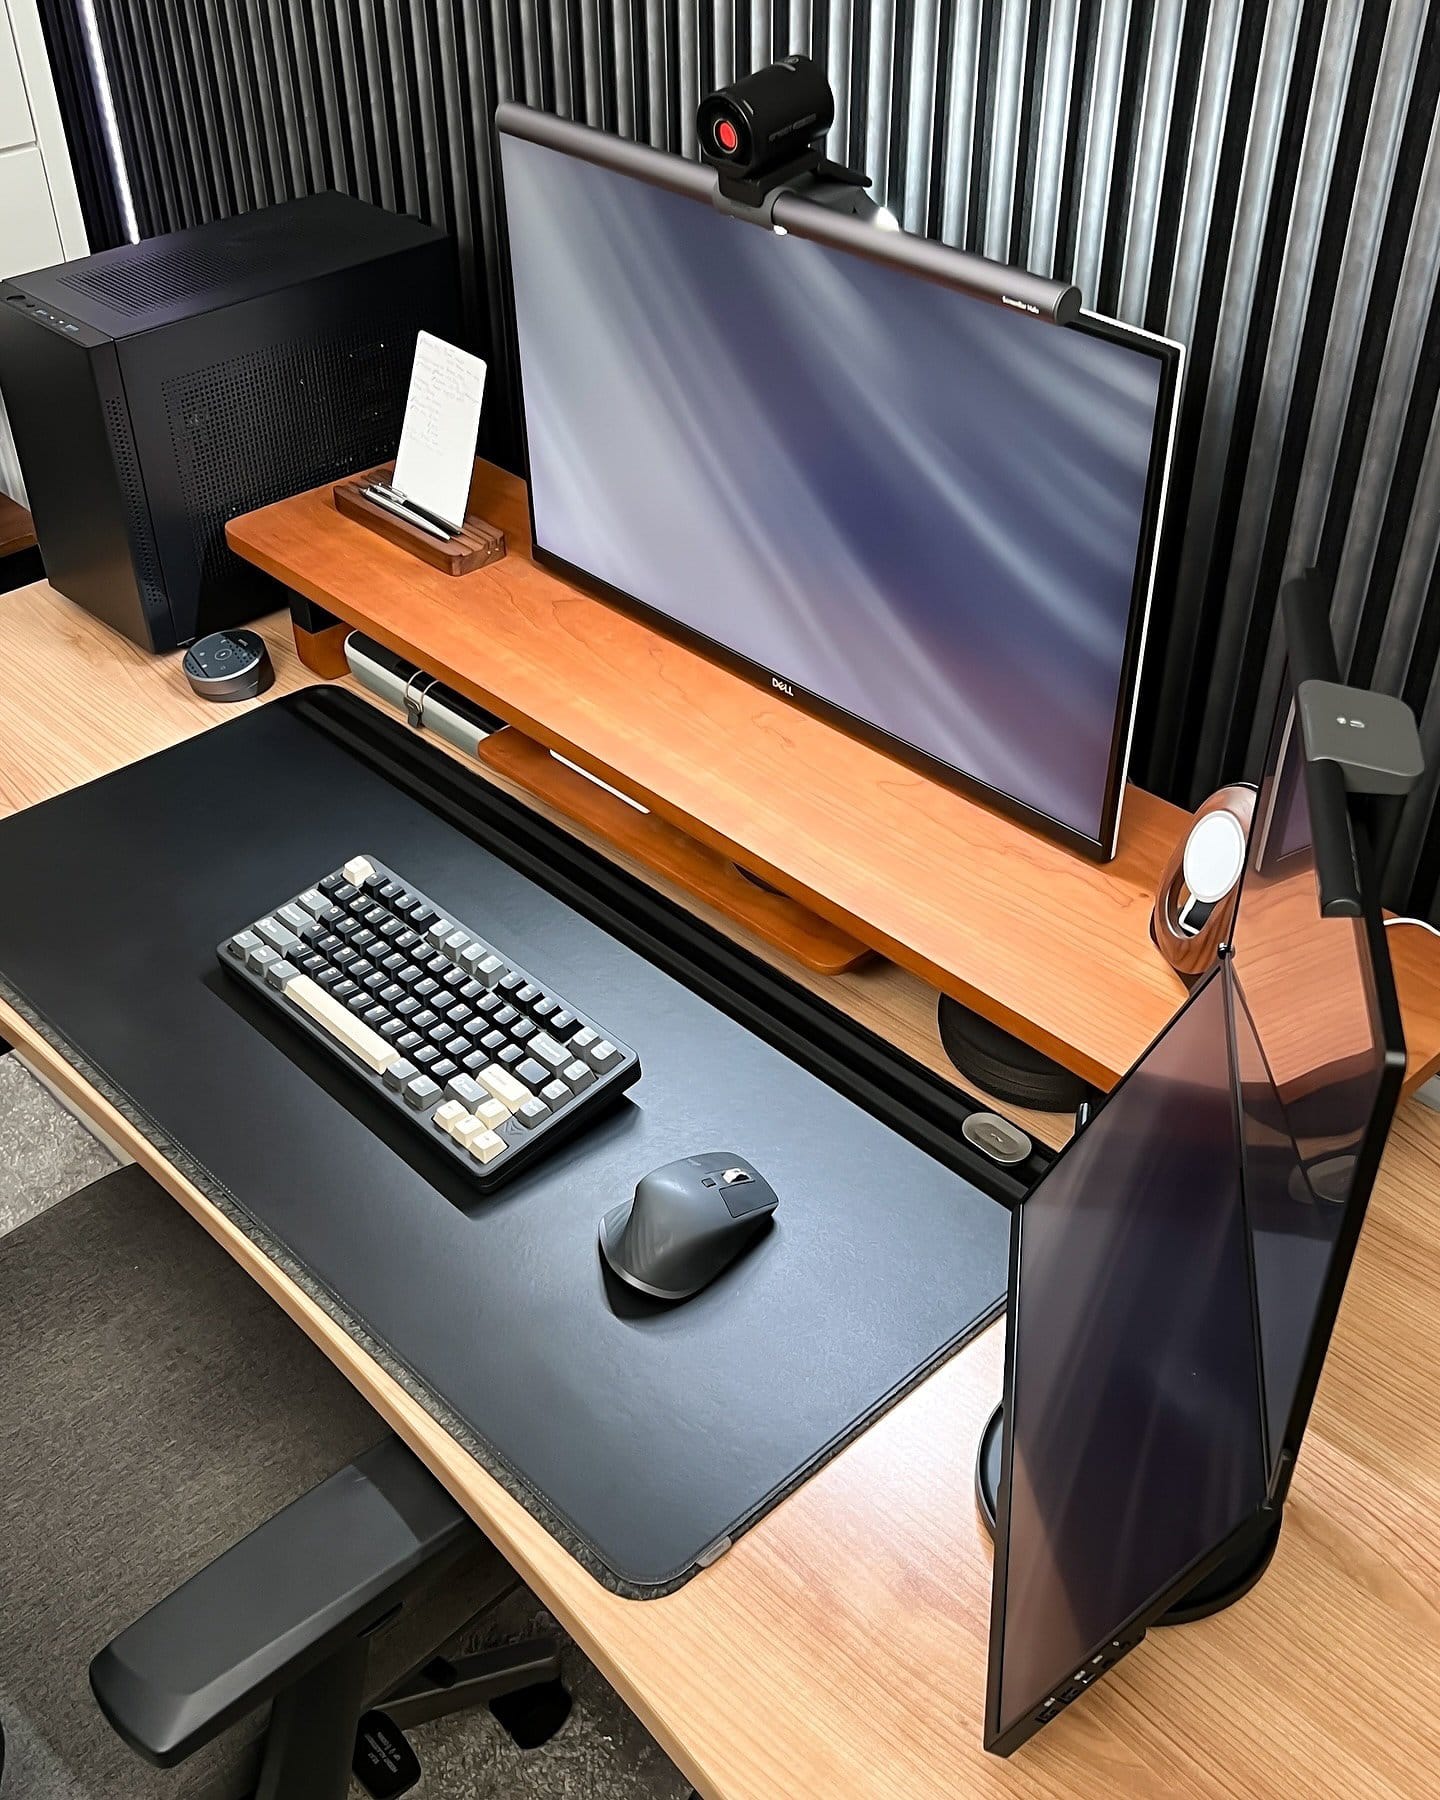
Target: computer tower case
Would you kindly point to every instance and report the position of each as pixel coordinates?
(161, 388)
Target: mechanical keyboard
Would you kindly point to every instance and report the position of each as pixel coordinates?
(488, 1062)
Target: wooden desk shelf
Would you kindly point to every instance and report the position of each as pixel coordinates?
(1044, 942)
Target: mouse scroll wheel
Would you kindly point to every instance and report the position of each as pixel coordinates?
(733, 1177)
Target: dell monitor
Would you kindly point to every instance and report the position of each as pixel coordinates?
(1176, 1272)
(923, 514)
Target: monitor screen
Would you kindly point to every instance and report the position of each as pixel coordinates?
(1316, 1063)
(894, 502)
(1132, 1404)
(1176, 1272)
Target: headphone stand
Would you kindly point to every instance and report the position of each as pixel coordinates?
(1006, 1066)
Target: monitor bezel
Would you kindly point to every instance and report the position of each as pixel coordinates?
(1335, 823)
(917, 257)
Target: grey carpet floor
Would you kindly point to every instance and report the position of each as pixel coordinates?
(602, 1752)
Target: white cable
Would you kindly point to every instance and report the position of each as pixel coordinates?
(1424, 925)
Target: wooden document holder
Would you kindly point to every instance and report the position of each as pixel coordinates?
(477, 544)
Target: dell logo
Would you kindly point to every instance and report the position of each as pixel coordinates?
(782, 687)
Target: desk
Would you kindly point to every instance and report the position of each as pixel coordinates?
(838, 1651)
(1050, 945)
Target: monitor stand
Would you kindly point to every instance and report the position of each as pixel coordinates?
(1006, 1066)
(1227, 1582)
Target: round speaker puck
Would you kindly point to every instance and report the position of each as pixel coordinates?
(229, 665)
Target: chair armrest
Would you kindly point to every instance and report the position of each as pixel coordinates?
(317, 1576)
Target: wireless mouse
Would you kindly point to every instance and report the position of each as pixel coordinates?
(688, 1221)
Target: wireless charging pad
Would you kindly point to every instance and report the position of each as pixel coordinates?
(1227, 1582)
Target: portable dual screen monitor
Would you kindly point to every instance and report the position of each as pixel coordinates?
(938, 521)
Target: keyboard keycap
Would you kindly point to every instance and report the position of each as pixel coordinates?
(501, 1085)
(486, 1146)
(546, 1050)
(465, 1128)
(399, 1073)
(532, 1073)
(242, 944)
(577, 1075)
(604, 1057)
(492, 1113)
(277, 936)
(421, 1092)
(555, 1094)
(279, 972)
(444, 1068)
(354, 1034)
(449, 1115)
(533, 1113)
(466, 1090)
(358, 870)
(490, 970)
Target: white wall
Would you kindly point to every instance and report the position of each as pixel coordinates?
(40, 220)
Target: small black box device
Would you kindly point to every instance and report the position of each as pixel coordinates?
(159, 389)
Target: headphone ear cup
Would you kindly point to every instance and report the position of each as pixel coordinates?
(1196, 897)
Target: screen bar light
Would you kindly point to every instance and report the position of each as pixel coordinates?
(1054, 302)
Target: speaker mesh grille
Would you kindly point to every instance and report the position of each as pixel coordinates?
(137, 509)
(259, 427)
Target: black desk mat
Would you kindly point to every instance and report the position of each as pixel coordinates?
(643, 1436)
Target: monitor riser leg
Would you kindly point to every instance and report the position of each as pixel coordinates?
(1225, 1584)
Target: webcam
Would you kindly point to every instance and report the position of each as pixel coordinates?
(768, 124)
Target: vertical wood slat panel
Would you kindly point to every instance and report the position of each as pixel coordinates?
(1250, 175)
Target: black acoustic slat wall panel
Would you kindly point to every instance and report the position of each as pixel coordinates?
(1258, 178)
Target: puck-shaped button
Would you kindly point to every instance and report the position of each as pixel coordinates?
(1001, 1141)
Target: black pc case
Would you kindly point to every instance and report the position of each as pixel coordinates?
(159, 389)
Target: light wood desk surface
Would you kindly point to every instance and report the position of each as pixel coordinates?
(838, 1650)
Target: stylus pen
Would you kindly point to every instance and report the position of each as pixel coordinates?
(408, 513)
(391, 492)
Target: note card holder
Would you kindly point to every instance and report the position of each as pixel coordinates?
(475, 546)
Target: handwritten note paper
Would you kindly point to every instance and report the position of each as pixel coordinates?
(442, 421)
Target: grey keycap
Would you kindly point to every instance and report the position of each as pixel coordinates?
(474, 954)
(455, 943)
(533, 1113)
(604, 1056)
(577, 1075)
(313, 901)
(532, 1073)
(544, 1048)
(509, 1056)
(293, 916)
(492, 1040)
(584, 1041)
(527, 995)
(277, 936)
(490, 969)
(261, 959)
(439, 931)
(242, 944)
(399, 1073)
(466, 1090)
(421, 1092)
(555, 1094)
(279, 972)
